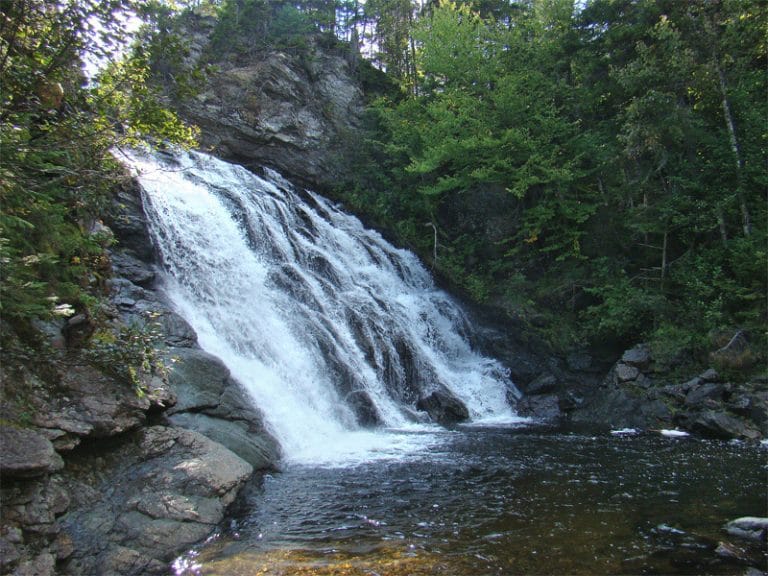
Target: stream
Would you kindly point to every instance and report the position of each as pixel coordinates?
(487, 501)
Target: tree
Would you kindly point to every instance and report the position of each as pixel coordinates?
(56, 132)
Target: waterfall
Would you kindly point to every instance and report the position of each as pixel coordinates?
(333, 331)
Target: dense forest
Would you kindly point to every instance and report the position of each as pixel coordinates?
(596, 169)
(623, 143)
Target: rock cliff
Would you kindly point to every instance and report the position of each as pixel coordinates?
(290, 111)
(99, 477)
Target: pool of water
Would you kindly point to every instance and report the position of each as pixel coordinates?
(490, 501)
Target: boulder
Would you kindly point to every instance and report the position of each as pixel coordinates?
(700, 393)
(541, 407)
(126, 265)
(177, 331)
(253, 446)
(443, 407)
(91, 403)
(210, 402)
(26, 453)
(619, 407)
(639, 356)
(199, 379)
(748, 527)
(546, 382)
(168, 490)
(719, 424)
(363, 407)
(626, 372)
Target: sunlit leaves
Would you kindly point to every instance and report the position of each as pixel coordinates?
(56, 131)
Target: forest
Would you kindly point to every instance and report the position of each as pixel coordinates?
(613, 149)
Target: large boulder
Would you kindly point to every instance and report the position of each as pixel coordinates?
(748, 527)
(165, 491)
(720, 424)
(214, 404)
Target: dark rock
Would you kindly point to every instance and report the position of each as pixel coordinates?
(643, 381)
(692, 383)
(731, 552)
(282, 112)
(626, 372)
(364, 408)
(199, 379)
(258, 449)
(9, 554)
(710, 375)
(676, 391)
(26, 453)
(215, 405)
(127, 220)
(639, 357)
(542, 407)
(571, 400)
(698, 394)
(443, 408)
(165, 492)
(748, 527)
(622, 408)
(93, 404)
(544, 383)
(77, 330)
(41, 565)
(579, 361)
(177, 331)
(127, 266)
(719, 424)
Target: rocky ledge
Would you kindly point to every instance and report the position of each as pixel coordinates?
(638, 393)
(99, 477)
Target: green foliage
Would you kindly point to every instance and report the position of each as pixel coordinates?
(245, 27)
(628, 135)
(56, 133)
(130, 353)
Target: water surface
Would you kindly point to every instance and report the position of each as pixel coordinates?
(483, 501)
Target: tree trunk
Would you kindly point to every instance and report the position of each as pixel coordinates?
(746, 220)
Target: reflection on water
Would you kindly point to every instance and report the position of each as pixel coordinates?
(490, 501)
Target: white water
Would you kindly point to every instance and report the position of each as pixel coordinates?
(323, 322)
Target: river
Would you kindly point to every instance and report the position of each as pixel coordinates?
(488, 501)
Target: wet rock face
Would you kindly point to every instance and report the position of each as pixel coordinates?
(87, 487)
(209, 401)
(443, 408)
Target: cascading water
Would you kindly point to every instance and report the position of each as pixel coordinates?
(329, 327)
